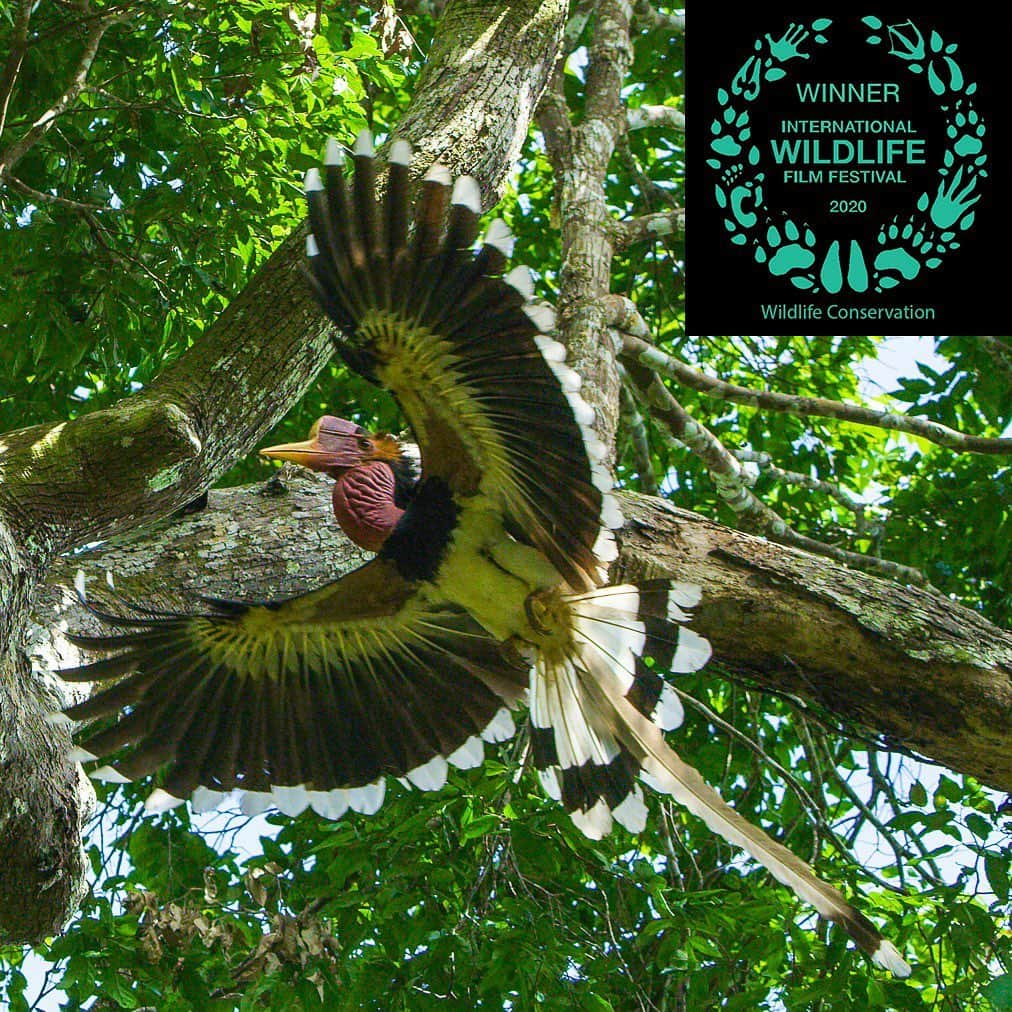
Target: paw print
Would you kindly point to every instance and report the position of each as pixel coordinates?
(970, 129)
(789, 253)
(731, 132)
(904, 248)
(907, 250)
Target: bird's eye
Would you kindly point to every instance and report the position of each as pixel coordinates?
(364, 444)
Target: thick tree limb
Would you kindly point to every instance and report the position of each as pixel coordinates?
(904, 663)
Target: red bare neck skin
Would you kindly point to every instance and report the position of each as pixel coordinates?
(364, 504)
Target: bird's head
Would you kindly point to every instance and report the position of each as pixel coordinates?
(335, 445)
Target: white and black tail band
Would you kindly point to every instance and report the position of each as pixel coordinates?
(666, 772)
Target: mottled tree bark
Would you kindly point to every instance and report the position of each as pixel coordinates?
(580, 154)
(110, 471)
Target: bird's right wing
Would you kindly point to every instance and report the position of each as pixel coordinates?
(464, 349)
(310, 700)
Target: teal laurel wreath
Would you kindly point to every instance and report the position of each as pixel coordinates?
(907, 243)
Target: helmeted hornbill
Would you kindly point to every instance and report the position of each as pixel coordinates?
(488, 584)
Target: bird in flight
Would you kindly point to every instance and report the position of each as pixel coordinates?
(488, 588)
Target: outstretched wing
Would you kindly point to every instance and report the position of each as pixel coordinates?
(313, 700)
(495, 410)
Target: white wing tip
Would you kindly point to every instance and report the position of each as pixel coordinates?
(684, 595)
(467, 192)
(368, 800)
(551, 350)
(632, 812)
(469, 755)
(430, 776)
(594, 822)
(400, 153)
(582, 411)
(669, 713)
(888, 957)
(606, 547)
(205, 799)
(109, 775)
(692, 653)
(500, 236)
(541, 315)
(520, 279)
(329, 804)
(290, 800)
(80, 755)
(255, 802)
(550, 782)
(438, 173)
(333, 153)
(611, 514)
(500, 727)
(161, 801)
(363, 145)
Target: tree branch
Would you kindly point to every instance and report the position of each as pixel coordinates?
(647, 227)
(732, 487)
(19, 45)
(643, 116)
(645, 354)
(907, 664)
(648, 16)
(635, 427)
(51, 198)
(585, 271)
(10, 157)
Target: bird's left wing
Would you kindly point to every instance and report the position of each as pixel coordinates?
(312, 700)
(464, 349)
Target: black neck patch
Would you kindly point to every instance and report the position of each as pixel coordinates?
(405, 481)
(417, 543)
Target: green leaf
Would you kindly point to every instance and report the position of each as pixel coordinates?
(999, 992)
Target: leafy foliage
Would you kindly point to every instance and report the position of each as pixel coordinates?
(182, 157)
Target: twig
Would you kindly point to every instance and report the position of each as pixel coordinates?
(19, 44)
(730, 484)
(52, 198)
(829, 488)
(553, 118)
(16, 151)
(859, 803)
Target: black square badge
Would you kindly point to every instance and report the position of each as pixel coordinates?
(848, 173)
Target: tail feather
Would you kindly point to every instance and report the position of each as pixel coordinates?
(598, 719)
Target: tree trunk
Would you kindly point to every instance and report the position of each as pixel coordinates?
(104, 473)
